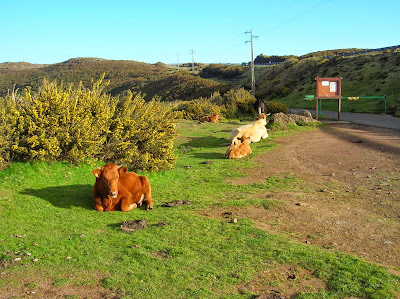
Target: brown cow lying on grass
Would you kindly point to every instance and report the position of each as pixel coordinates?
(117, 189)
(255, 131)
(239, 150)
(212, 119)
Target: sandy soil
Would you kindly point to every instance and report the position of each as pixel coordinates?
(349, 177)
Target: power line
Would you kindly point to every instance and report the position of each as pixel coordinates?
(304, 12)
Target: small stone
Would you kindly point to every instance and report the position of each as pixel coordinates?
(17, 259)
(233, 220)
(82, 236)
(35, 260)
(68, 258)
(28, 254)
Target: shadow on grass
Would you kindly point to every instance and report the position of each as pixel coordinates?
(206, 142)
(209, 156)
(65, 197)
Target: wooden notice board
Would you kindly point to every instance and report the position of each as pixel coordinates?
(328, 88)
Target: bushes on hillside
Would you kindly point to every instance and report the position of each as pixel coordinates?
(198, 108)
(221, 71)
(232, 103)
(238, 101)
(141, 134)
(9, 116)
(61, 122)
(276, 107)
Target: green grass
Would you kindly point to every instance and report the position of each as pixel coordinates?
(46, 210)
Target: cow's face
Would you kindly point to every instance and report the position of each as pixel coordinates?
(109, 175)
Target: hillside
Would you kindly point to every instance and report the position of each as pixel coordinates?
(123, 75)
(363, 75)
(372, 74)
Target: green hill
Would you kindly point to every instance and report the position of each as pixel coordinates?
(372, 74)
(151, 79)
(363, 75)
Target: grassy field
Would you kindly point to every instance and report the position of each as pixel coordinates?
(51, 233)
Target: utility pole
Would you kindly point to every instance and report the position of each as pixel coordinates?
(192, 60)
(253, 80)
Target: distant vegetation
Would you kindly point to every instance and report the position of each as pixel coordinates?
(372, 74)
(149, 79)
(222, 71)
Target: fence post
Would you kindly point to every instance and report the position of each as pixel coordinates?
(385, 104)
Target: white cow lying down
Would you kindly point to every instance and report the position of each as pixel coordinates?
(255, 131)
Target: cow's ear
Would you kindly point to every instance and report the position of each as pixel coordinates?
(122, 170)
(97, 172)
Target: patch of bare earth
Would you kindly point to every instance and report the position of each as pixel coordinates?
(45, 288)
(348, 198)
(282, 280)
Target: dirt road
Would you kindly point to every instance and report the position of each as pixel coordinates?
(380, 121)
(349, 191)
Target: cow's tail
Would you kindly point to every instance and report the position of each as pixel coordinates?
(147, 193)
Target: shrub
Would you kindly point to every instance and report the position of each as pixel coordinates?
(276, 107)
(8, 121)
(197, 108)
(217, 99)
(141, 135)
(64, 123)
(221, 71)
(238, 100)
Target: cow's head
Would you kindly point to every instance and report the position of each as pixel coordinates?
(109, 175)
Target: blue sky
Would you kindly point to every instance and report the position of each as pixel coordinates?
(166, 31)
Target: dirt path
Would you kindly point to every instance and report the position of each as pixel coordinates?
(350, 191)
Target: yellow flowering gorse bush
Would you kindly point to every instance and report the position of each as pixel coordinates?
(65, 123)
